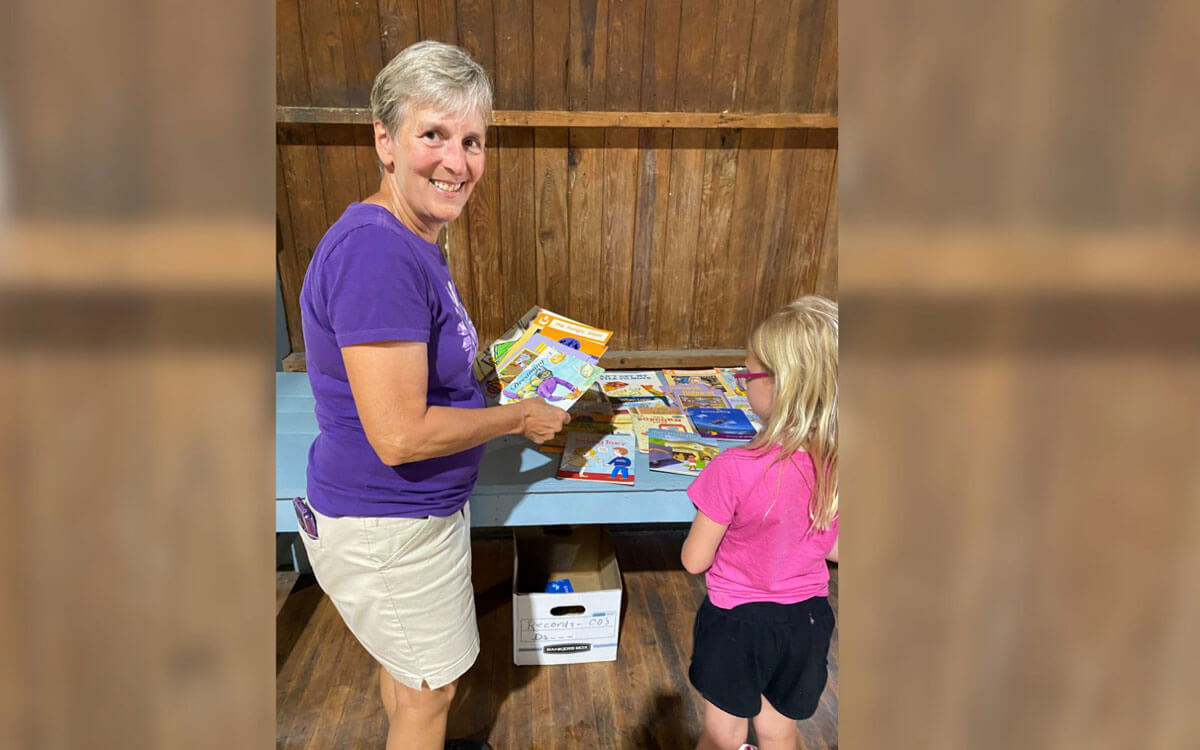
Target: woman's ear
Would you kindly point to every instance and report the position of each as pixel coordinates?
(383, 145)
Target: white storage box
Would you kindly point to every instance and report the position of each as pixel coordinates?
(565, 628)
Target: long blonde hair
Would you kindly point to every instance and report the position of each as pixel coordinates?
(799, 346)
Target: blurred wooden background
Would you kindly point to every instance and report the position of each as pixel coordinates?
(674, 237)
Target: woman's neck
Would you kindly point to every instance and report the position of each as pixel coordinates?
(389, 198)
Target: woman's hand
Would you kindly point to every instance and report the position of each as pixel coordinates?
(540, 421)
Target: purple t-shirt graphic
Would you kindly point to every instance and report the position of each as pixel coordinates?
(371, 279)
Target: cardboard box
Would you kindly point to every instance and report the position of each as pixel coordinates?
(565, 628)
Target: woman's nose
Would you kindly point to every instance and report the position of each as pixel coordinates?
(453, 158)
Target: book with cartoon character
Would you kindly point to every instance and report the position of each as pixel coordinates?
(659, 418)
(710, 378)
(680, 453)
(558, 377)
(527, 349)
(697, 395)
(598, 458)
(632, 384)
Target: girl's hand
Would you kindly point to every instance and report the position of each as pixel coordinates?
(539, 420)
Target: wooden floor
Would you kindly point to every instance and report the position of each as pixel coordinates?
(327, 688)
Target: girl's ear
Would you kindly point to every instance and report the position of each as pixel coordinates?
(383, 145)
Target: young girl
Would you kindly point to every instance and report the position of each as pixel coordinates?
(766, 522)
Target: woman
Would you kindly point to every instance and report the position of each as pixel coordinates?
(402, 419)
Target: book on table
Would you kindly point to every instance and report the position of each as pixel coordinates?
(680, 453)
(598, 458)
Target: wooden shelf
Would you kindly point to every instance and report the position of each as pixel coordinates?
(562, 119)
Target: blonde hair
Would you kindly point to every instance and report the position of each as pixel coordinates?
(799, 346)
(434, 75)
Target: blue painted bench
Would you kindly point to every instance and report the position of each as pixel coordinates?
(516, 487)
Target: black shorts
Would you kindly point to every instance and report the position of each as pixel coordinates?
(778, 651)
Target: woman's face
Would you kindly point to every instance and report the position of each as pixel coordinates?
(434, 160)
(760, 392)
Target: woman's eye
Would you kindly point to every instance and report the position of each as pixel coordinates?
(429, 135)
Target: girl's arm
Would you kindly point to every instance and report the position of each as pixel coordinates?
(389, 382)
(833, 555)
(701, 543)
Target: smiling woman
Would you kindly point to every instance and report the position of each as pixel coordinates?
(402, 420)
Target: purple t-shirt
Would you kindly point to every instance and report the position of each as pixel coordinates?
(372, 279)
(770, 552)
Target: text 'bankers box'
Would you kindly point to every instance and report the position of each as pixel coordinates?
(566, 595)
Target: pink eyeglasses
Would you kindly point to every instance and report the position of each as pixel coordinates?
(744, 377)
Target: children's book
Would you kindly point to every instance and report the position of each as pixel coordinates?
(643, 423)
(632, 384)
(709, 378)
(680, 453)
(732, 386)
(696, 395)
(556, 443)
(525, 351)
(599, 458)
(485, 360)
(559, 378)
(727, 424)
(585, 339)
(743, 404)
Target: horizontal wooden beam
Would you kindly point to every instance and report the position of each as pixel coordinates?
(562, 119)
(625, 360)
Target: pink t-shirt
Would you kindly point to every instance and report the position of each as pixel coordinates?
(768, 553)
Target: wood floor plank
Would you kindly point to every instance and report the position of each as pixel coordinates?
(327, 688)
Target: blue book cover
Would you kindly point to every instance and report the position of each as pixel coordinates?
(727, 424)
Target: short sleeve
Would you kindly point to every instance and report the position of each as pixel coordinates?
(377, 289)
(714, 490)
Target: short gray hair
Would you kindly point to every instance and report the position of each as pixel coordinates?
(430, 75)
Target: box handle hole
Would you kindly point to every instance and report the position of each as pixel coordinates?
(574, 609)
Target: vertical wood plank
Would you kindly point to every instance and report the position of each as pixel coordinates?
(785, 261)
(291, 74)
(337, 153)
(514, 54)
(551, 216)
(477, 35)
(811, 207)
(551, 34)
(660, 55)
(324, 52)
(438, 20)
(732, 53)
(518, 260)
(805, 23)
(585, 201)
(827, 270)
(360, 38)
(483, 216)
(712, 246)
(825, 86)
(675, 268)
(297, 149)
(587, 54)
(654, 185)
(626, 23)
(620, 199)
(399, 26)
(287, 265)
(369, 175)
(762, 66)
(745, 234)
(697, 48)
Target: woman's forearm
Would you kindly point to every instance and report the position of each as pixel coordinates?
(445, 430)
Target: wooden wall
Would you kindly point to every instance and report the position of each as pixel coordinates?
(676, 238)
